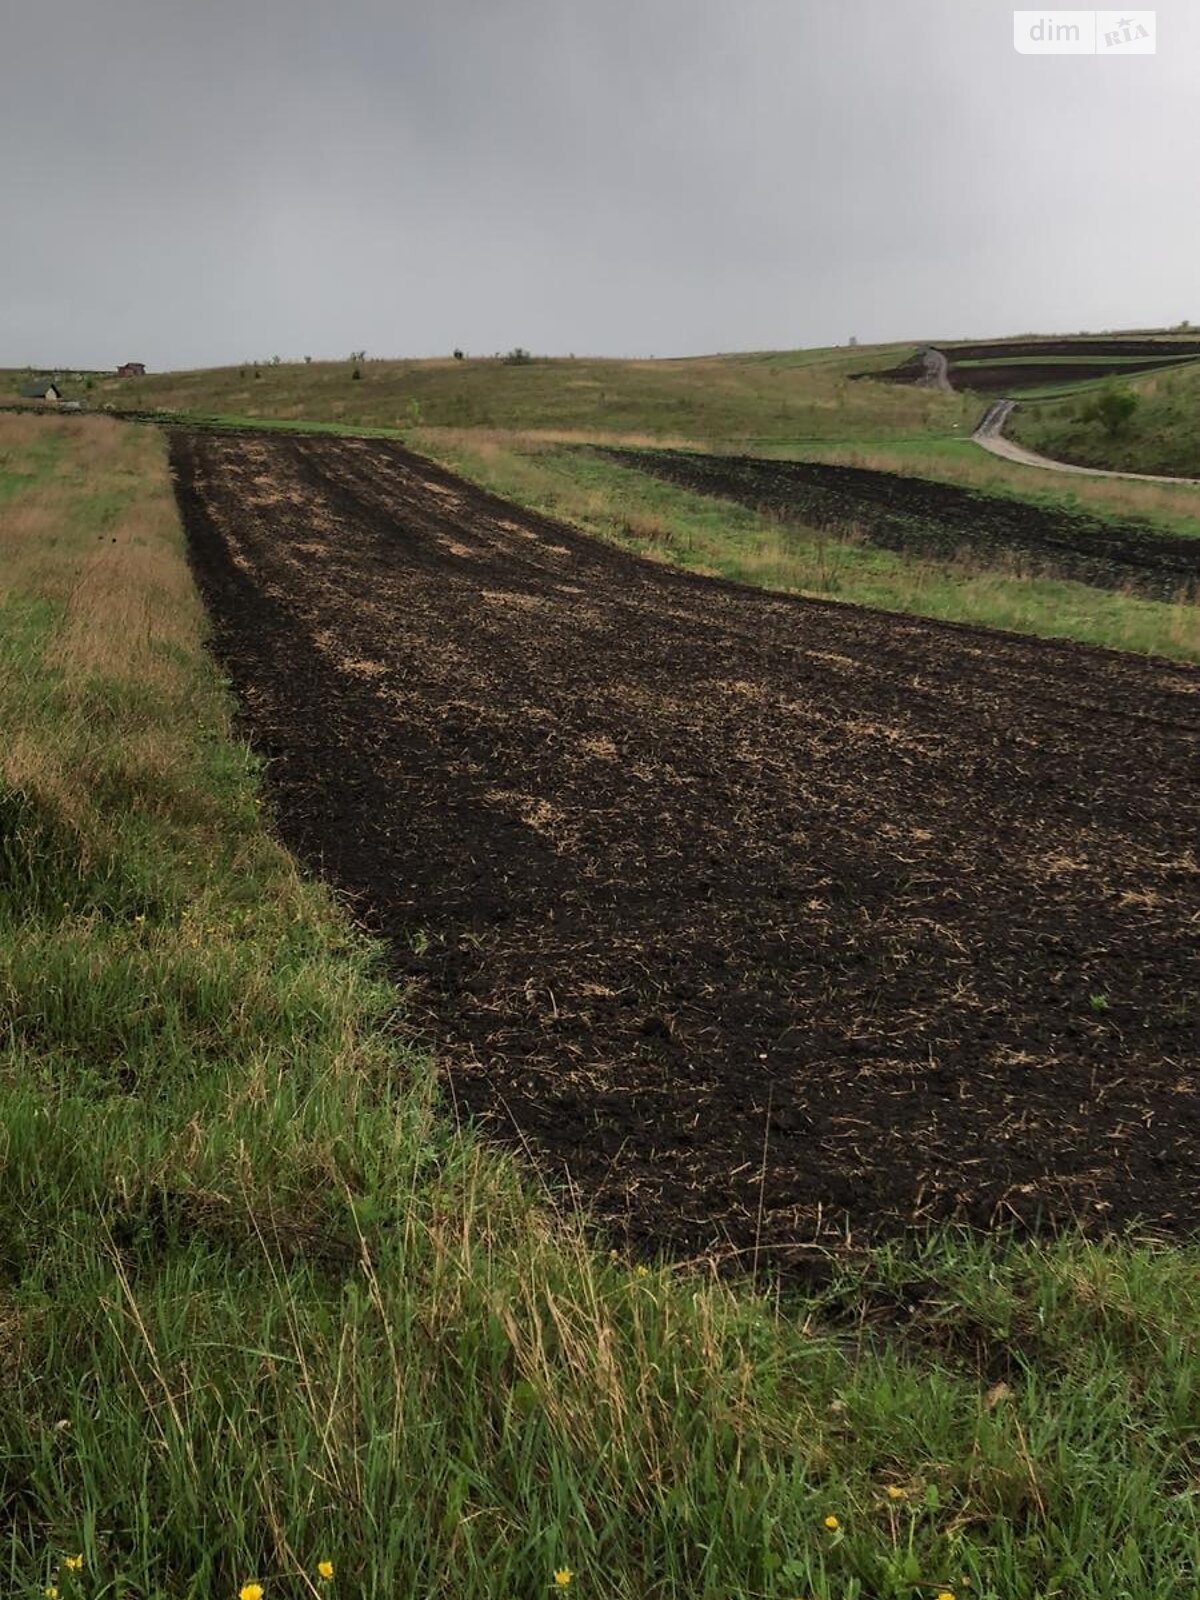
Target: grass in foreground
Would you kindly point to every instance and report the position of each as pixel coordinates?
(263, 1308)
(720, 538)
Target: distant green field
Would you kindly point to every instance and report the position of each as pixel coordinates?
(1055, 391)
(776, 396)
(801, 403)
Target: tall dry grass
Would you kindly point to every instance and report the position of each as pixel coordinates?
(93, 535)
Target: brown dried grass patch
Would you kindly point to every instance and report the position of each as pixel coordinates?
(362, 668)
(100, 538)
(521, 602)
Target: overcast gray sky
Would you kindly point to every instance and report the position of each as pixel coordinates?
(194, 182)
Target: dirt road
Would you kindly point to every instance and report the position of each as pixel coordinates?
(937, 369)
(748, 914)
(990, 434)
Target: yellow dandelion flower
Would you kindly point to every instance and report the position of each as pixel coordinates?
(946, 1594)
(642, 1272)
(832, 1524)
(895, 1492)
(325, 1569)
(251, 1591)
(74, 1563)
(50, 1592)
(563, 1577)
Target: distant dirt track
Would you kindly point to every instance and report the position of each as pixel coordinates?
(701, 873)
(990, 434)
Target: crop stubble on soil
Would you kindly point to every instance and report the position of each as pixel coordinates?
(698, 872)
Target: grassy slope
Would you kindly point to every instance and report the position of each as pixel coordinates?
(798, 403)
(771, 396)
(1163, 435)
(261, 1307)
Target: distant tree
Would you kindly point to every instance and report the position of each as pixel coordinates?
(518, 357)
(1112, 408)
(458, 355)
(276, 361)
(308, 361)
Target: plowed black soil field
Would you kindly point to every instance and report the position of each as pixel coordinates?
(1006, 378)
(753, 915)
(1010, 349)
(1010, 368)
(941, 520)
(1004, 371)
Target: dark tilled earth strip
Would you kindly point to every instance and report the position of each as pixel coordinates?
(757, 918)
(941, 520)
